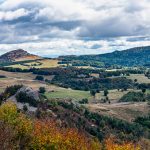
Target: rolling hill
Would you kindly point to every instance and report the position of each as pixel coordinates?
(17, 55)
(138, 56)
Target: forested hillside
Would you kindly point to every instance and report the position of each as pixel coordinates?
(131, 57)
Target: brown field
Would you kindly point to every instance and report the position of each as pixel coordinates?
(125, 111)
(28, 58)
(44, 63)
(114, 95)
(140, 78)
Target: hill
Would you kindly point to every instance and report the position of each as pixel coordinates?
(138, 56)
(17, 55)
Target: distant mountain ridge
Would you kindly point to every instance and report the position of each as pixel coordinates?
(17, 55)
(137, 56)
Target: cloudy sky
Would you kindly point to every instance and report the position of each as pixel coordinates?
(62, 27)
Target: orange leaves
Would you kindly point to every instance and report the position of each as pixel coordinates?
(19, 132)
(46, 135)
(43, 134)
(111, 145)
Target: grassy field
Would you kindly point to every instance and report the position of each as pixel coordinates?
(28, 80)
(114, 95)
(124, 111)
(45, 63)
(140, 78)
(69, 94)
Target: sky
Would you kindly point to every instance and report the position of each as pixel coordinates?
(73, 27)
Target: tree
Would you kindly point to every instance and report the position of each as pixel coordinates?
(42, 90)
(106, 92)
(135, 80)
(93, 93)
(25, 108)
(84, 101)
(143, 91)
(41, 78)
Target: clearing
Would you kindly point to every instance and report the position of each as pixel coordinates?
(125, 111)
(141, 78)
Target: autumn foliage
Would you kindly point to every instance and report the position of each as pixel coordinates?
(23, 133)
(111, 145)
(17, 131)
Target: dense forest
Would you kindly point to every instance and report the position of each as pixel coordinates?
(139, 56)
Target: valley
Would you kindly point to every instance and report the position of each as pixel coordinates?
(90, 96)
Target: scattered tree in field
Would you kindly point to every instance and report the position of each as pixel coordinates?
(143, 91)
(93, 93)
(106, 92)
(40, 78)
(135, 80)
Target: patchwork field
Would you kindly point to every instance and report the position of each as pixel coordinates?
(44, 63)
(52, 91)
(141, 78)
(114, 95)
(126, 111)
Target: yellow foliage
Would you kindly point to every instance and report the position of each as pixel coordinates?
(46, 135)
(111, 145)
(18, 121)
(8, 113)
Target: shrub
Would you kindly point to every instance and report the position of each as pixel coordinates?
(23, 97)
(42, 90)
(133, 97)
(84, 101)
(41, 78)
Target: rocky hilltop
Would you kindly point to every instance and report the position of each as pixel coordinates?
(17, 55)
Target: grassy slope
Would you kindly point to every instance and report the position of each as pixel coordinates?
(45, 63)
(140, 78)
(68, 93)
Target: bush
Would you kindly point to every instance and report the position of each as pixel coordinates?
(23, 97)
(9, 91)
(84, 101)
(41, 78)
(25, 108)
(42, 90)
(2, 76)
(133, 97)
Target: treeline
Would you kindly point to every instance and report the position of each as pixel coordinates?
(144, 121)
(133, 57)
(92, 84)
(136, 97)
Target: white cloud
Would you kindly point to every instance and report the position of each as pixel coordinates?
(58, 47)
(64, 26)
(12, 15)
